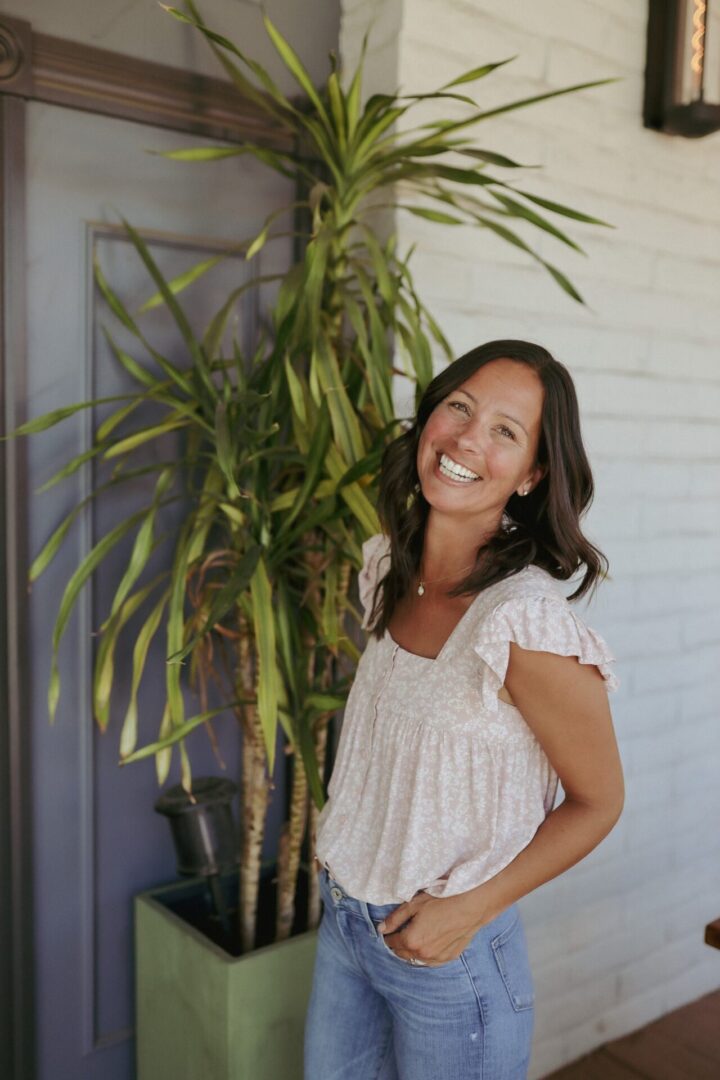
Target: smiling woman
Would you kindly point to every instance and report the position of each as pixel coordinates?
(479, 690)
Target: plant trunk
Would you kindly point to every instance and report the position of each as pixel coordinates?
(320, 742)
(254, 795)
(289, 853)
(320, 736)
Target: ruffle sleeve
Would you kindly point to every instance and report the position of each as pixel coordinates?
(376, 552)
(542, 623)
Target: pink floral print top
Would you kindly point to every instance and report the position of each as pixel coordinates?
(438, 783)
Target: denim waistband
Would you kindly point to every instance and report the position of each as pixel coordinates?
(374, 913)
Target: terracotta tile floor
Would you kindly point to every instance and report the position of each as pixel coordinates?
(683, 1045)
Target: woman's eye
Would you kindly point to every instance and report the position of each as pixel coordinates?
(507, 432)
(459, 405)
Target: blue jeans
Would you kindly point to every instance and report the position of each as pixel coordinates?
(374, 1016)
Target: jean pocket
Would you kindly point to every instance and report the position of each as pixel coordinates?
(408, 963)
(510, 952)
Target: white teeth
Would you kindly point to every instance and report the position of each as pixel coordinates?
(454, 470)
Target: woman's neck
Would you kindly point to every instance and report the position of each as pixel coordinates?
(451, 546)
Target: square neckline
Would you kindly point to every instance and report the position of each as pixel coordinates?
(434, 659)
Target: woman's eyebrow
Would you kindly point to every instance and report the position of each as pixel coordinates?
(514, 420)
(506, 416)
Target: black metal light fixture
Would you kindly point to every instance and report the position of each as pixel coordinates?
(682, 76)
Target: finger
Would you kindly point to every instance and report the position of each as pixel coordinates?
(396, 918)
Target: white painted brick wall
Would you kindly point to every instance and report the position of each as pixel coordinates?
(617, 940)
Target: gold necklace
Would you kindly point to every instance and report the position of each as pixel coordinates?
(422, 583)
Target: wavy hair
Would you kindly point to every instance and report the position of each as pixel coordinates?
(541, 528)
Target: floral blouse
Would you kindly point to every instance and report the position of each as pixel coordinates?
(438, 783)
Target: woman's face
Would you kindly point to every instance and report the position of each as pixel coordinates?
(487, 431)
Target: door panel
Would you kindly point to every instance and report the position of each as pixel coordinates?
(98, 841)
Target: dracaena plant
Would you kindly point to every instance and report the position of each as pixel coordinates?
(281, 449)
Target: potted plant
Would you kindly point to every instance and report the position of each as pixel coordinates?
(280, 452)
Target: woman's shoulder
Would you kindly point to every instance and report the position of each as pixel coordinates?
(376, 562)
(530, 609)
(374, 548)
(531, 581)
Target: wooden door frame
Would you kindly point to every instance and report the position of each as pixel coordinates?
(38, 67)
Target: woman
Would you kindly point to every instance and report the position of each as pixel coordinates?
(479, 688)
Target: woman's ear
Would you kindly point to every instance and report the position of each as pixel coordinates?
(538, 473)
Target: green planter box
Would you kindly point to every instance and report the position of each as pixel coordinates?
(203, 1014)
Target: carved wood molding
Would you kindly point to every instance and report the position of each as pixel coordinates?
(39, 67)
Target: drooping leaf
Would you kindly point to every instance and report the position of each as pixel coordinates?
(72, 590)
(105, 660)
(128, 734)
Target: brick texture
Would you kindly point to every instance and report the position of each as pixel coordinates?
(617, 940)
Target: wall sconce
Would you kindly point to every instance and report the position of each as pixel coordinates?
(682, 77)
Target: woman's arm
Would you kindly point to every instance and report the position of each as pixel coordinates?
(565, 704)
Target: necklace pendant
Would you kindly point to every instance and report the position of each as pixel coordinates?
(421, 589)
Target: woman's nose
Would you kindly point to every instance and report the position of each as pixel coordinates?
(471, 442)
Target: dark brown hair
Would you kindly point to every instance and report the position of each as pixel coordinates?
(543, 527)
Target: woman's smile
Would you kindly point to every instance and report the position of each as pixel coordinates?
(454, 471)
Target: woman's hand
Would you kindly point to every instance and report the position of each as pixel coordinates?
(434, 929)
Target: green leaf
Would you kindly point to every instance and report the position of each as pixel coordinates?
(275, 103)
(524, 102)
(201, 153)
(105, 660)
(367, 466)
(50, 549)
(72, 590)
(176, 734)
(477, 73)
(144, 542)
(171, 303)
(566, 211)
(72, 467)
(131, 442)
(225, 451)
(309, 759)
(225, 598)
(330, 615)
(435, 215)
(563, 282)
(116, 418)
(56, 416)
(125, 318)
(344, 421)
(294, 65)
(183, 280)
(337, 108)
(353, 494)
(114, 303)
(128, 735)
(163, 757)
(216, 327)
(313, 469)
(135, 370)
(264, 636)
(296, 391)
(493, 158)
(176, 621)
(325, 702)
(519, 211)
(278, 160)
